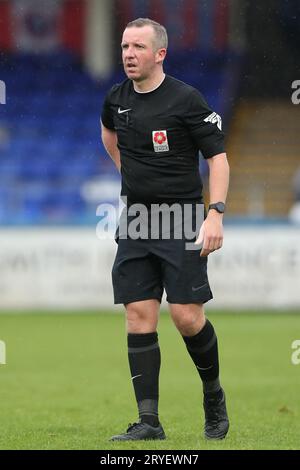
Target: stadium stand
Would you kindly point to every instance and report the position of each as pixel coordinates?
(264, 156)
(49, 131)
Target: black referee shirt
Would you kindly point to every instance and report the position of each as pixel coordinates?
(160, 134)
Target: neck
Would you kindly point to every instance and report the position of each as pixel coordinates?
(149, 84)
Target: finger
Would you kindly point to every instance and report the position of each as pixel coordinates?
(205, 249)
(204, 253)
(200, 236)
(218, 244)
(210, 245)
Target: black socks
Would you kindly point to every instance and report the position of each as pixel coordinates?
(203, 349)
(144, 362)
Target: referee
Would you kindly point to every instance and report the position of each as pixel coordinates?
(153, 127)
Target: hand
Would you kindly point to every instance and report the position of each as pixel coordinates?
(211, 233)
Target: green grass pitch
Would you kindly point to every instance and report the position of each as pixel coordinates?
(66, 383)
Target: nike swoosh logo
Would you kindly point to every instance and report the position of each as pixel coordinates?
(204, 368)
(140, 375)
(194, 289)
(121, 111)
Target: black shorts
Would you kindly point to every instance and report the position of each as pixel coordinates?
(143, 268)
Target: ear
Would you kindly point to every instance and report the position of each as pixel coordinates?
(160, 55)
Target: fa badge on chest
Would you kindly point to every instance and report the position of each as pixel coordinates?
(160, 141)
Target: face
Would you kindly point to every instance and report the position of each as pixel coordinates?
(139, 57)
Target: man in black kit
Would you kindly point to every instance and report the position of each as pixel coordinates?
(153, 127)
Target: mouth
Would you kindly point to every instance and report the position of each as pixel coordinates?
(131, 67)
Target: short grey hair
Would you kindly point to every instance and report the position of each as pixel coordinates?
(161, 35)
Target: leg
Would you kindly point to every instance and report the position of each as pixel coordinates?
(144, 362)
(144, 356)
(188, 318)
(137, 285)
(201, 342)
(142, 317)
(187, 287)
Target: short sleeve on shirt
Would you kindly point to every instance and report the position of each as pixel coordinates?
(204, 125)
(107, 115)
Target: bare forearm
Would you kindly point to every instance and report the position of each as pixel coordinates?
(211, 232)
(114, 154)
(218, 178)
(110, 142)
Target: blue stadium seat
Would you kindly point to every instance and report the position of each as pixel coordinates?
(52, 118)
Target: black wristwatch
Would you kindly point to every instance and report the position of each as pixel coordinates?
(218, 206)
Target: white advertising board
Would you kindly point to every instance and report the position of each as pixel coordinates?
(64, 268)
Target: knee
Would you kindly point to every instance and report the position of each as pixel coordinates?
(141, 317)
(189, 320)
(134, 314)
